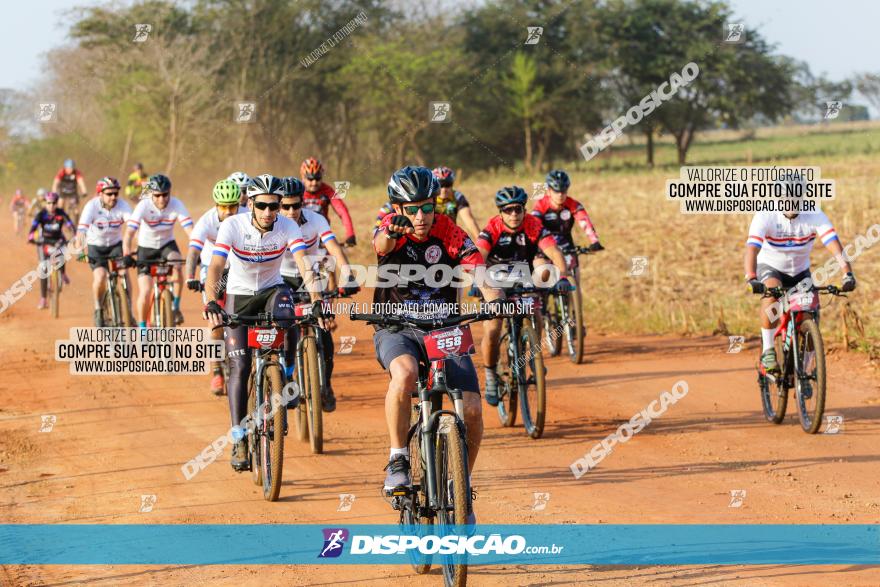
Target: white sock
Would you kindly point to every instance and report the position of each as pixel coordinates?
(399, 451)
(767, 338)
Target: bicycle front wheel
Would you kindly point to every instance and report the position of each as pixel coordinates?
(410, 517)
(272, 439)
(506, 378)
(124, 304)
(166, 309)
(314, 406)
(774, 393)
(55, 292)
(531, 382)
(810, 376)
(254, 438)
(552, 338)
(453, 493)
(574, 328)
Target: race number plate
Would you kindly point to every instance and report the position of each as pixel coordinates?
(265, 338)
(160, 269)
(456, 341)
(303, 310)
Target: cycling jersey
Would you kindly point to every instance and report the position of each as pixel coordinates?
(103, 227)
(560, 222)
(507, 245)
(315, 232)
(451, 206)
(18, 203)
(204, 233)
(255, 259)
(321, 200)
(51, 225)
(786, 243)
(157, 228)
(135, 184)
(445, 244)
(67, 182)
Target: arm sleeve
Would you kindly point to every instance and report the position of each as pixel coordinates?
(198, 235)
(183, 214)
(86, 218)
(824, 229)
(295, 240)
(134, 221)
(757, 231)
(583, 220)
(462, 201)
(224, 240)
(324, 231)
(342, 211)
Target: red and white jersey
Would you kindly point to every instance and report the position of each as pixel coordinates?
(786, 243)
(156, 227)
(255, 258)
(204, 233)
(103, 227)
(315, 231)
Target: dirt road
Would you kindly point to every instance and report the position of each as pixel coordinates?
(117, 438)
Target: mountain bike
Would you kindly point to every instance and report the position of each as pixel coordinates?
(116, 301)
(266, 440)
(563, 314)
(55, 282)
(163, 298)
(800, 353)
(437, 441)
(311, 374)
(520, 370)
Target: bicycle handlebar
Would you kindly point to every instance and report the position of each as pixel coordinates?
(422, 323)
(778, 292)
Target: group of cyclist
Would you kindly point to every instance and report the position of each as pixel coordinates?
(267, 240)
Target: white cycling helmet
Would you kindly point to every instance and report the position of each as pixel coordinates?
(241, 178)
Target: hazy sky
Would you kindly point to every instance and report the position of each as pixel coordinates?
(839, 37)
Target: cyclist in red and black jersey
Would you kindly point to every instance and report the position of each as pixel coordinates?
(514, 238)
(415, 235)
(69, 183)
(50, 222)
(319, 196)
(559, 212)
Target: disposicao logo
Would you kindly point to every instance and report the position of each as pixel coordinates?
(334, 541)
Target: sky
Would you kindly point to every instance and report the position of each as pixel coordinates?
(838, 38)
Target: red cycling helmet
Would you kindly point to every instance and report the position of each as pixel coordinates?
(445, 176)
(106, 182)
(311, 168)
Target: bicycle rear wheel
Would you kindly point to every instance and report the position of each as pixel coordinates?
(166, 313)
(272, 439)
(774, 393)
(55, 292)
(506, 378)
(410, 518)
(253, 437)
(453, 493)
(314, 406)
(531, 382)
(810, 376)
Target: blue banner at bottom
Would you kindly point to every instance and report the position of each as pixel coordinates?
(276, 544)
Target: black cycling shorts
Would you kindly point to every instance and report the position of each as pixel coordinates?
(99, 256)
(460, 371)
(146, 255)
(766, 272)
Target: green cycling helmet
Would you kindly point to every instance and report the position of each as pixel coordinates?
(226, 192)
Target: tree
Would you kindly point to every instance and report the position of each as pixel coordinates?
(524, 98)
(868, 85)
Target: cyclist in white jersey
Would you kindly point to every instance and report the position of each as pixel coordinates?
(778, 254)
(153, 220)
(101, 222)
(254, 245)
(319, 240)
(226, 195)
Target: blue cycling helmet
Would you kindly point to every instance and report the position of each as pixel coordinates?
(511, 195)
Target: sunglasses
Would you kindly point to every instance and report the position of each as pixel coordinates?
(228, 207)
(116, 193)
(272, 206)
(517, 209)
(296, 206)
(314, 177)
(161, 195)
(425, 208)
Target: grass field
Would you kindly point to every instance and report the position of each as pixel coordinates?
(695, 272)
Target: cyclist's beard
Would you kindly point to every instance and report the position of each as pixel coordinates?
(258, 224)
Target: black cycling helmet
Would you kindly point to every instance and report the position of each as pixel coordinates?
(558, 180)
(511, 195)
(158, 183)
(412, 184)
(293, 186)
(265, 184)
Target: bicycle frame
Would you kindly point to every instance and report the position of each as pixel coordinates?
(113, 275)
(788, 325)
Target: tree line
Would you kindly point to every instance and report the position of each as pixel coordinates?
(527, 83)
